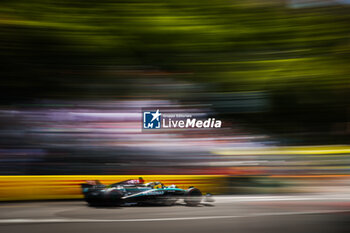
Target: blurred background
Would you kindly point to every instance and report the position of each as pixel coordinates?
(75, 77)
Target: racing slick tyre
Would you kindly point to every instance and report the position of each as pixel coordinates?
(109, 197)
(113, 196)
(193, 197)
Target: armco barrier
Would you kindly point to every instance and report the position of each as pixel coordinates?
(16, 188)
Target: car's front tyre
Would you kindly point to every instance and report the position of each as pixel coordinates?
(193, 197)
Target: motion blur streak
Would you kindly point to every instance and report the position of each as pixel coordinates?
(76, 77)
(68, 187)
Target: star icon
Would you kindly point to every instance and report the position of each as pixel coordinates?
(156, 115)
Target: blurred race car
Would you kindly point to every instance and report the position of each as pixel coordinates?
(138, 192)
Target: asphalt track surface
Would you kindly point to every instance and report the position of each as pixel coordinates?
(282, 214)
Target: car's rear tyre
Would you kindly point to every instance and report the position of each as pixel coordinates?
(113, 197)
(193, 197)
(106, 197)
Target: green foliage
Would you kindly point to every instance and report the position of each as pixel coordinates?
(239, 46)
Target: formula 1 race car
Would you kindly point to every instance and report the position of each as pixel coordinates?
(135, 192)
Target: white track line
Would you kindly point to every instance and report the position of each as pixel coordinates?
(72, 220)
(230, 199)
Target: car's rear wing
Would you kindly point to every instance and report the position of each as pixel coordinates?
(91, 185)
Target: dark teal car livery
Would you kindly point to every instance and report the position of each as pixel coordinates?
(126, 192)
